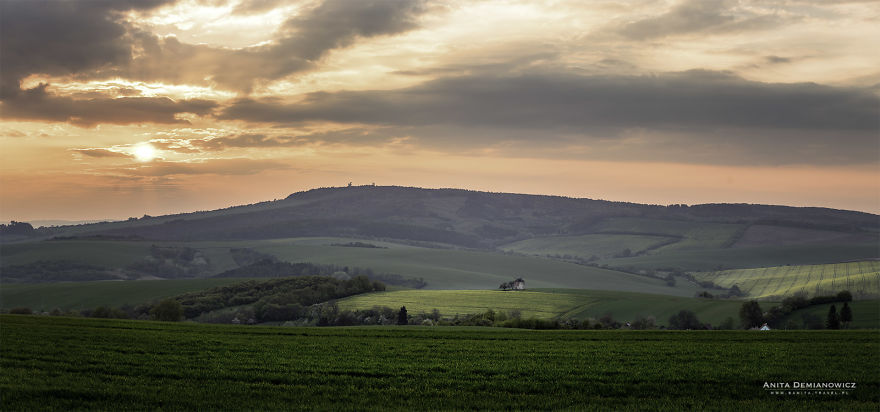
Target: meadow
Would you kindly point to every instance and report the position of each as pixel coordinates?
(860, 278)
(67, 363)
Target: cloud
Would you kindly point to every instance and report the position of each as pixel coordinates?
(569, 101)
(222, 167)
(302, 41)
(101, 153)
(698, 16)
(89, 39)
(244, 140)
(661, 117)
(76, 38)
(61, 37)
(37, 104)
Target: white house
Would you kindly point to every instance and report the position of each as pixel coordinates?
(519, 284)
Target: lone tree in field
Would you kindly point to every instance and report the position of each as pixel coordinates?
(833, 321)
(845, 315)
(750, 314)
(168, 310)
(401, 316)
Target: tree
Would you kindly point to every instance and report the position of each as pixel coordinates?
(168, 310)
(750, 314)
(833, 321)
(845, 315)
(685, 319)
(401, 316)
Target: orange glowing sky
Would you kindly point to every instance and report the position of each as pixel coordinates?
(114, 109)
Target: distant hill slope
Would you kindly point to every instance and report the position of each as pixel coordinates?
(466, 218)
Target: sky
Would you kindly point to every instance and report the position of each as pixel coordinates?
(119, 108)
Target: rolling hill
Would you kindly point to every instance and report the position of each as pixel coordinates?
(455, 239)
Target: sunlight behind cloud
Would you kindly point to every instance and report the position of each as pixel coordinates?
(144, 152)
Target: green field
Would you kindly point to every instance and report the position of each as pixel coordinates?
(466, 269)
(67, 363)
(587, 246)
(751, 257)
(549, 304)
(88, 295)
(860, 278)
(695, 235)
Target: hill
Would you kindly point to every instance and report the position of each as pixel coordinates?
(452, 239)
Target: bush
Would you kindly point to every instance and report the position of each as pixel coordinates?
(21, 311)
(168, 310)
(685, 320)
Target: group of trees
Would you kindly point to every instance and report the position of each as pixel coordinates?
(258, 264)
(17, 228)
(167, 310)
(751, 315)
(276, 299)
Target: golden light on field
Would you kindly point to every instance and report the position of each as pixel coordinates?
(144, 152)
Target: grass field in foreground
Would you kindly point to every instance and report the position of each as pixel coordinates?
(860, 278)
(549, 303)
(65, 363)
(88, 295)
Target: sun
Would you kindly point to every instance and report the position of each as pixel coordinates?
(144, 152)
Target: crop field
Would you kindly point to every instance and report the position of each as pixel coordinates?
(695, 235)
(548, 304)
(67, 363)
(97, 252)
(587, 246)
(88, 295)
(860, 278)
(751, 257)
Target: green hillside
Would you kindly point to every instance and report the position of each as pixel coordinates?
(549, 304)
(588, 246)
(860, 278)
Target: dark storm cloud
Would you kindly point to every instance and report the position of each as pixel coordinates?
(567, 101)
(697, 16)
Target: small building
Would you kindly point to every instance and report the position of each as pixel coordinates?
(765, 327)
(519, 284)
